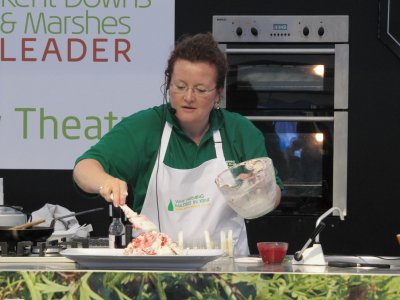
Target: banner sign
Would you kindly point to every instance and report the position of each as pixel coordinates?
(71, 69)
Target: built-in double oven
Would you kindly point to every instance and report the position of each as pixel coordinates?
(289, 76)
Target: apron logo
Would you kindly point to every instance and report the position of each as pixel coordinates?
(196, 201)
(170, 205)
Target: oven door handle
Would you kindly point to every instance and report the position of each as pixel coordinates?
(281, 51)
(291, 118)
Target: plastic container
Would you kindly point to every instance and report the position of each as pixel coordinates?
(12, 216)
(249, 187)
(272, 252)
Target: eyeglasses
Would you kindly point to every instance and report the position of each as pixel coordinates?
(198, 91)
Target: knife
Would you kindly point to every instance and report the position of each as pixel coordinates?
(344, 264)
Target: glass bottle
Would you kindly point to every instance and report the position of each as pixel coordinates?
(116, 230)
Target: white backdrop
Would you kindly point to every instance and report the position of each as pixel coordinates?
(71, 69)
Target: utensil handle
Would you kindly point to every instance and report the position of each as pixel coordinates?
(343, 264)
(73, 215)
(27, 225)
(299, 254)
(79, 213)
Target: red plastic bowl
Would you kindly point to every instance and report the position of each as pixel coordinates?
(272, 252)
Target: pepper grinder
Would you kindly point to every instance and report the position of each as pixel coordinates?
(116, 230)
(127, 238)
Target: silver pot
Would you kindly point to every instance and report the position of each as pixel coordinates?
(12, 216)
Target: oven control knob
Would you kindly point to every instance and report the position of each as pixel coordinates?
(306, 31)
(254, 31)
(239, 31)
(321, 31)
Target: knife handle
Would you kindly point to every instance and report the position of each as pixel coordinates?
(344, 264)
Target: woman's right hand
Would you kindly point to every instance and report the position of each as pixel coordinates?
(114, 190)
(90, 176)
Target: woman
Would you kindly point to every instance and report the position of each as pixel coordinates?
(173, 180)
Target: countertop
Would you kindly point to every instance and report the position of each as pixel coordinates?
(222, 278)
(382, 265)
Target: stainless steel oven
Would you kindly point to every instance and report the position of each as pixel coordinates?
(289, 76)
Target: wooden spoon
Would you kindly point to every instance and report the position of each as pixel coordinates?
(30, 224)
(27, 225)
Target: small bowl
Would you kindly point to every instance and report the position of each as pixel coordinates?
(272, 252)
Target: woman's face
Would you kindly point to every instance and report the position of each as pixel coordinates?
(192, 91)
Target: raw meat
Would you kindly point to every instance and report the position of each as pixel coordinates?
(152, 243)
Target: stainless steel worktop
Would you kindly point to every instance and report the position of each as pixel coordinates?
(222, 278)
(386, 265)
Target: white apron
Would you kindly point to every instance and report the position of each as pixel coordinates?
(190, 202)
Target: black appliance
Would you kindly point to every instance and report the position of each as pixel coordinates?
(289, 76)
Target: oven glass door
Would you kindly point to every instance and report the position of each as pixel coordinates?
(279, 82)
(302, 153)
(289, 95)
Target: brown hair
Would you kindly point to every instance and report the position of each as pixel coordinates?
(198, 48)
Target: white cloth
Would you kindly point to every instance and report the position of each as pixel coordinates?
(188, 201)
(68, 227)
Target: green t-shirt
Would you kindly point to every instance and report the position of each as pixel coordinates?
(130, 149)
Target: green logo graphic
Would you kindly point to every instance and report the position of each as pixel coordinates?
(170, 206)
(192, 202)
